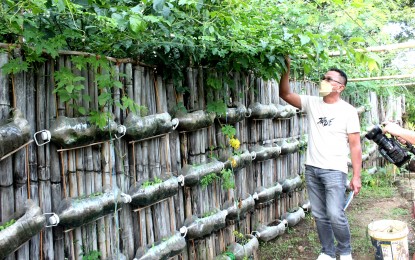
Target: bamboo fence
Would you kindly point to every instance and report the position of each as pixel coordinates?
(50, 174)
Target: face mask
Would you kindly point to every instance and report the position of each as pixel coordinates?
(325, 88)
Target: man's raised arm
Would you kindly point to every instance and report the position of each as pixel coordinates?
(284, 88)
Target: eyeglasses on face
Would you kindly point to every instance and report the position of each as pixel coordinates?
(330, 80)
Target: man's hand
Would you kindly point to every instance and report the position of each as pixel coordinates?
(355, 185)
(287, 62)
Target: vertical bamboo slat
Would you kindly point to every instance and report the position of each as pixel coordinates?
(6, 178)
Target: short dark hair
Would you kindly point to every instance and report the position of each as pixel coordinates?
(342, 74)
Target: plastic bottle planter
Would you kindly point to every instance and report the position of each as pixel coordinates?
(306, 206)
(162, 250)
(14, 132)
(260, 111)
(240, 161)
(263, 195)
(289, 146)
(265, 153)
(361, 110)
(200, 227)
(116, 256)
(372, 170)
(273, 230)
(145, 196)
(191, 175)
(247, 249)
(293, 218)
(145, 127)
(270, 111)
(289, 185)
(75, 212)
(235, 114)
(28, 225)
(285, 112)
(238, 209)
(71, 132)
(195, 120)
(368, 152)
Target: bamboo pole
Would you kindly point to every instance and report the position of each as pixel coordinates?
(412, 84)
(382, 48)
(404, 76)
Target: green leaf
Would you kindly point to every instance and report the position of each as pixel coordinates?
(137, 24)
(304, 39)
(103, 98)
(82, 110)
(60, 4)
(15, 66)
(69, 88)
(218, 107)
(372, 65)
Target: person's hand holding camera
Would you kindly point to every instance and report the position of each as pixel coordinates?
(403, 135)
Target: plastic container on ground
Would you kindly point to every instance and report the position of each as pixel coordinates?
(390, 238)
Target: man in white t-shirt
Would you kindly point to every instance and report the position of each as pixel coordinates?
(333, 132)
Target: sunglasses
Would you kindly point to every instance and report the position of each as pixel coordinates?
(330, 80)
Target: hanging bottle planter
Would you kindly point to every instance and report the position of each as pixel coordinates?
(195, 120)
(115, 256)
(289, 185)
(75, 212)
(372, 170)
(163, 250)
(271, 231)
(138, 128)
(263, 195)
(260, 111)
(28, 224)
(200, 227)
(72, 132)
(289, 145)
(148, 192)
(235, 114)
(240, 161)
(14, 133)
(238, 209)
(245, 249)
(191, 175)
(306, 206)
(372, 148)
(360, 110)
(285, 112)
(264, 153)
(294, 217)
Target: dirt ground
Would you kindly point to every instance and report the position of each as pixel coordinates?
(303, 241)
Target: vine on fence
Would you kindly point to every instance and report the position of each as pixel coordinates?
(70, 87)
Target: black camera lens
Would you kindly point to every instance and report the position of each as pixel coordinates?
(375, 131)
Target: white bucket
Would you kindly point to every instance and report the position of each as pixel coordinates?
(390, 238)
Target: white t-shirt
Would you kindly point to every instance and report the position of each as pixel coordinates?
(328, 129)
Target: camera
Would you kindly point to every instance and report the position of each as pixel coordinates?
(389, 148)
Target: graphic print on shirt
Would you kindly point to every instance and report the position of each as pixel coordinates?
(324, 121)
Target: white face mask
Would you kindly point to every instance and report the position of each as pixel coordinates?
(325, 88)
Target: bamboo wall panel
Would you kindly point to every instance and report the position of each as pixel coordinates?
(48, 174)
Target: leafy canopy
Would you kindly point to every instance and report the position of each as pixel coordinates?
(228, 36)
